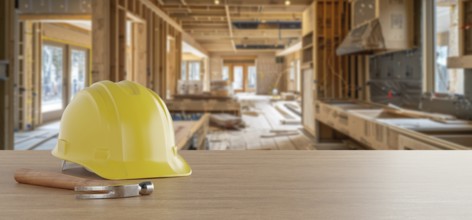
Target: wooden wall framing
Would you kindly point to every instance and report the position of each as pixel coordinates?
(326, 23)
(152, 30)
(29, 76)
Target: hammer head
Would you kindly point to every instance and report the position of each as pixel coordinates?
(112, 192)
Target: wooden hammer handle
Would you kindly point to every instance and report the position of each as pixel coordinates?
(55, 180)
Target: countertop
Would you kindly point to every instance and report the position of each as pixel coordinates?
(265, 185)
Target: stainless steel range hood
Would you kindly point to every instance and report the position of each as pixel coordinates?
(366, 38)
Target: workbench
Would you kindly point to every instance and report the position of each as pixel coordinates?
(265, 185)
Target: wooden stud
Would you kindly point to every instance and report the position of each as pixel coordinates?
(333, 68)
(7, 53)
(121, 46)
(156, 55)
(114, 41)
(101, 40)
(345, 59)
(150, 43)
(325, 55)
(140, 53)
(37, 75)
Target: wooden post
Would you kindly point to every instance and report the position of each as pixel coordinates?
(156, 55)
(178, 60)
(6, 86)
(101, 20)
(150, 53)
(121, 46)
(140, 53)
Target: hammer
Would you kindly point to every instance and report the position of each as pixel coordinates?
(91, 189)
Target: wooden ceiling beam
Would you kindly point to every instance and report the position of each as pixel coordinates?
(195, 14)
(241, 2)
(230, 26)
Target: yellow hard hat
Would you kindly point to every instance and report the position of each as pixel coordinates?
(120, 131)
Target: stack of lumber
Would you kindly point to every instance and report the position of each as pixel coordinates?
(221, 88)
(186, 87)
(226, 121)
(192, 104)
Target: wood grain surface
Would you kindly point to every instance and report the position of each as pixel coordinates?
(265, 185)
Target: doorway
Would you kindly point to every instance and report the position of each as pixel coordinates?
(63, 74)
(242, 75)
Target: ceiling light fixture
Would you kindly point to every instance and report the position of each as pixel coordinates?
(287, 2)
(217, 2)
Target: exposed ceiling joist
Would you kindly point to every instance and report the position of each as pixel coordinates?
(230, 27)
(213, 25)
(241, 2)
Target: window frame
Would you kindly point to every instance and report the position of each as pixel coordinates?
(187, 70)
(67, 48)
(429, 47)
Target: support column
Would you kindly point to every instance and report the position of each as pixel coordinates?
(6, 74)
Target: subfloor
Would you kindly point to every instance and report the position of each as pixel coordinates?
(42, 138)
(264, 129)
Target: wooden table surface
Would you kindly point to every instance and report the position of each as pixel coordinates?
(266, 185)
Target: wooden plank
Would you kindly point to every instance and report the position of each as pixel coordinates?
(284, 143)
(162, 14)
(52, 17)
(230, 27)
(301, 142)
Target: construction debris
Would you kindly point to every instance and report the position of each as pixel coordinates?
(289, 96)
(280, 133)
(221, 88)
(226, 121)
(289, 117)
(294, 107)
(251, 113)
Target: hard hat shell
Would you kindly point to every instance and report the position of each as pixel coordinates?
(120, 131)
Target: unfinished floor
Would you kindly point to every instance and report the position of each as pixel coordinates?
(263, 131)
